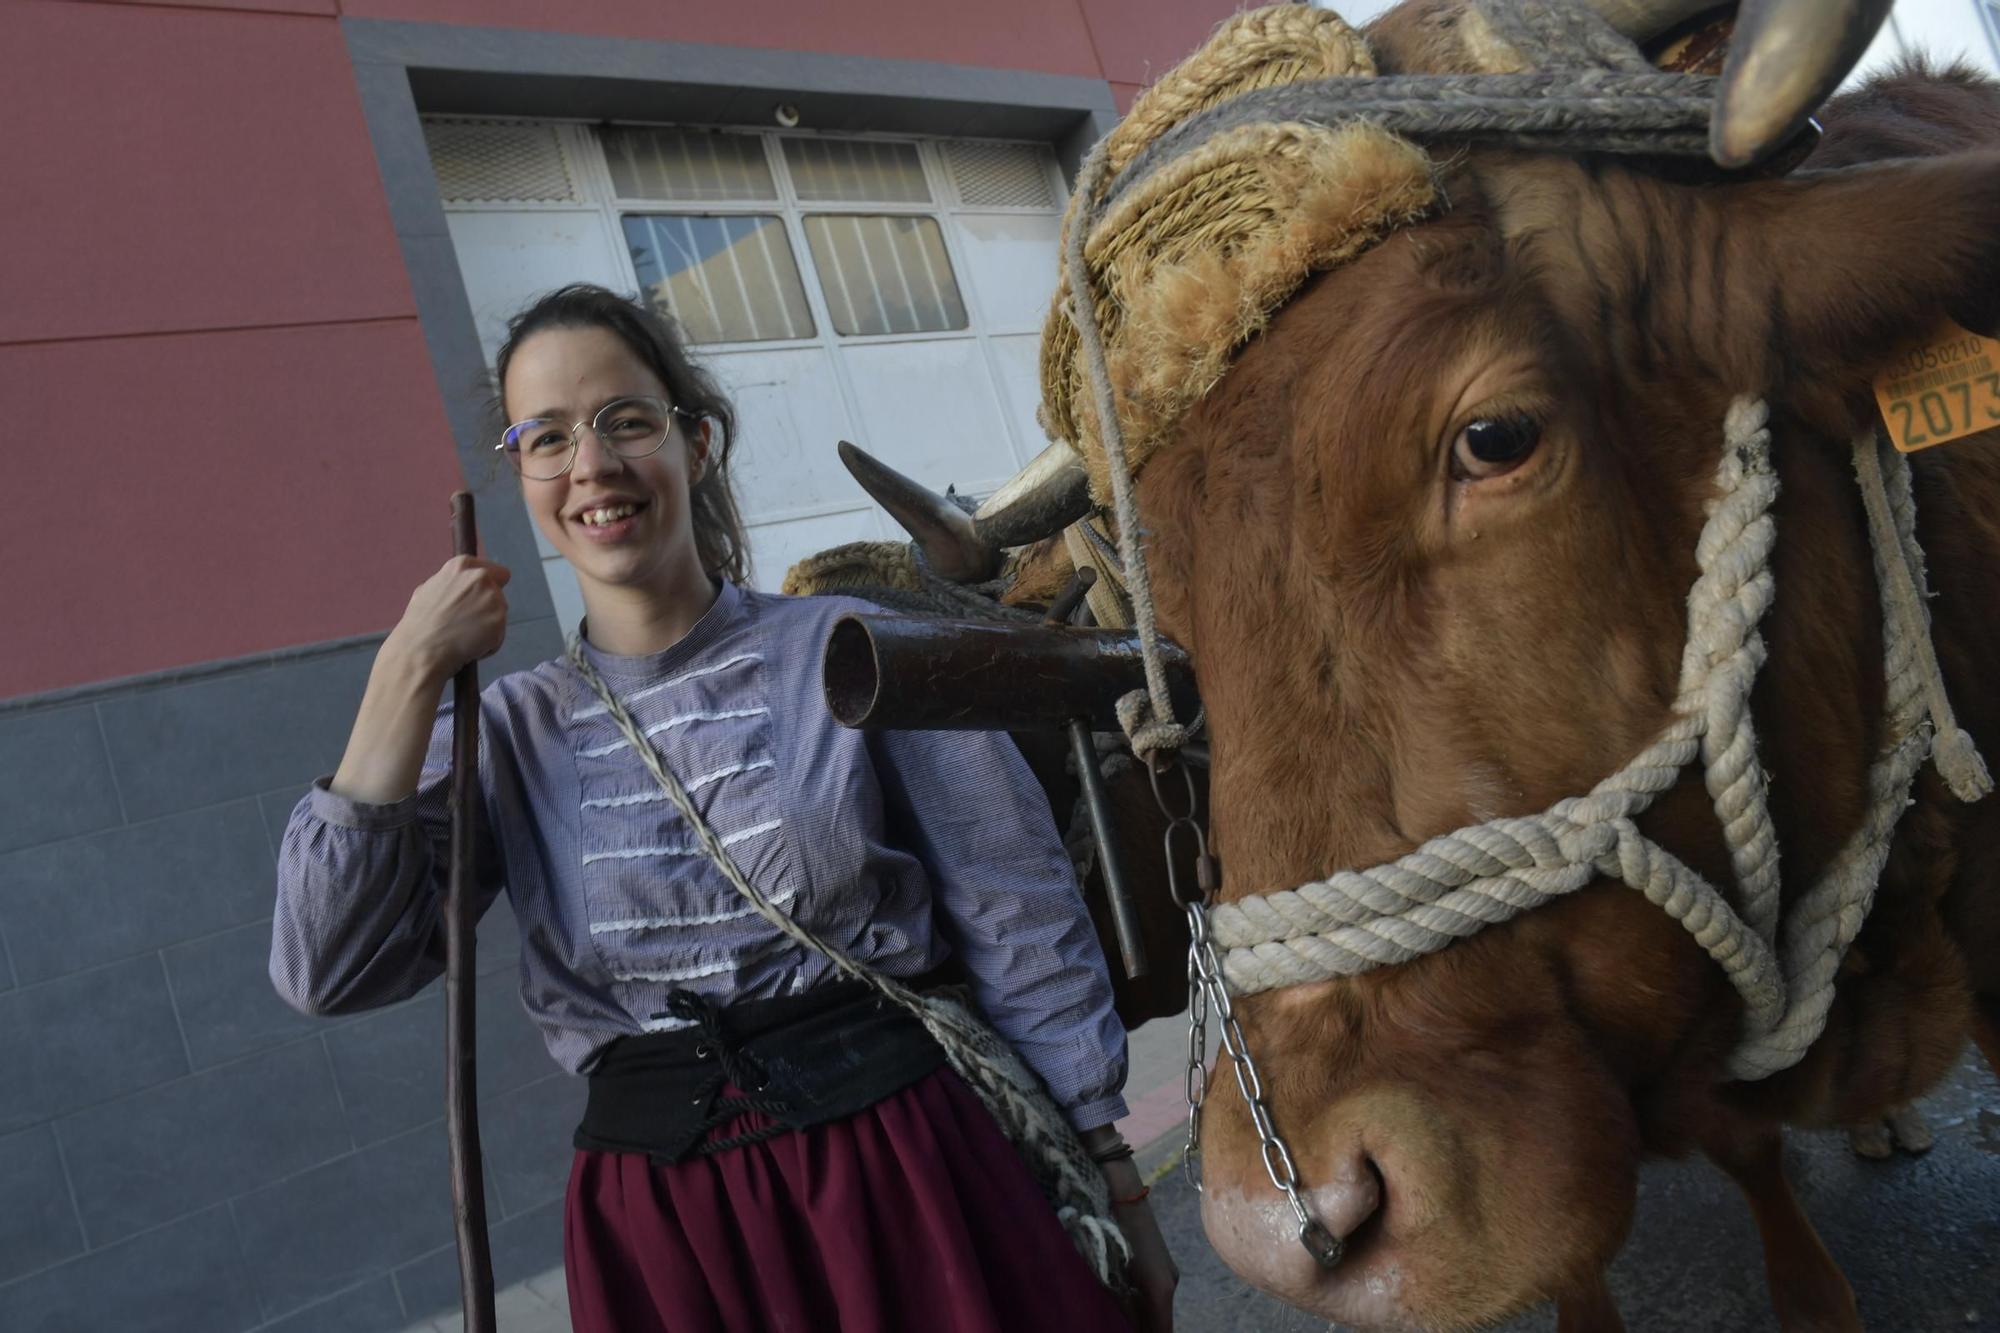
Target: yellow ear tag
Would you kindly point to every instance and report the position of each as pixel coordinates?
(1942, 389)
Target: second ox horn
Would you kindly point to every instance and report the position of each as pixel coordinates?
(1045, 497)
(1786, 57)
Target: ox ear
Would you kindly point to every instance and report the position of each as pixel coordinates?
(1823, 278)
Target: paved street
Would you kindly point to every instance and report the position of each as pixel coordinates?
(1918, 1237)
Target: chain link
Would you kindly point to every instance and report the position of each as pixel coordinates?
(1207, 994)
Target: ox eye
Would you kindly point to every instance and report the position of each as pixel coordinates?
(1492, 446)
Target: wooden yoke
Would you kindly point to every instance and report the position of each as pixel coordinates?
(461, 1081)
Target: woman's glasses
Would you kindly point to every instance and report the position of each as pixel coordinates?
(542, 450)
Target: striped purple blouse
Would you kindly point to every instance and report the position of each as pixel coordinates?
(903, 848)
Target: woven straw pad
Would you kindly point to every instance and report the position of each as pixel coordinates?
(1193, 260)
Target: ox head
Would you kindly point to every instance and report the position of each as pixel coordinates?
(1429, 541)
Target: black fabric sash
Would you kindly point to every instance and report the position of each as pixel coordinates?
(802, 1059)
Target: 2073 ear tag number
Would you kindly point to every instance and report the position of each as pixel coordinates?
(1941, 390)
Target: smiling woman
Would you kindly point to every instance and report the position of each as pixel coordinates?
(766, 1144)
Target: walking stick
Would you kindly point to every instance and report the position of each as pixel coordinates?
(461, 1082)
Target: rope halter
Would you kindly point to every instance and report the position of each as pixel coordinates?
(1784, 969)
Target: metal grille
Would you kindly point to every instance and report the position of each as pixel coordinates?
(485, 161)
(856, 170)
(688, 166)
(1000, 175)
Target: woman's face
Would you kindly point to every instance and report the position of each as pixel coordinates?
(620, 522)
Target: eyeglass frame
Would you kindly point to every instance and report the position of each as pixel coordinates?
(576, 437)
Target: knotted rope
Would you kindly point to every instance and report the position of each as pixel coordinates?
(1452, 886)
(1012, 1094)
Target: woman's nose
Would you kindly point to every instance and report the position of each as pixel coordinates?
(594, 458)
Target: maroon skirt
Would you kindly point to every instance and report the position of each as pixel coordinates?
(915, 1214)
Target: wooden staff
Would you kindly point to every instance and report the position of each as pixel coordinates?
(461, 1082)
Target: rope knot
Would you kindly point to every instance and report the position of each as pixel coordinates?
(1147, 733)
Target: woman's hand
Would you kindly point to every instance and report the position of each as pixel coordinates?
(455, 616)
(1153, 1273)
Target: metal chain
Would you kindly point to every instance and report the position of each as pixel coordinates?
(1206, 993)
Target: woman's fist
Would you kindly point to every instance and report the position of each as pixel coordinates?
(455, 616)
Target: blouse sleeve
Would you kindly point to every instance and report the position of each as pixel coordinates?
(1006, 897)
(358, 921)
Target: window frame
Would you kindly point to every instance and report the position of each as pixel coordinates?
(943, 203)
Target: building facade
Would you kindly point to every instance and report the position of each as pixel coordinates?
(258, 255)
(258, 252)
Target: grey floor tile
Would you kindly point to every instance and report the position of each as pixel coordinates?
(222, 990)
(86, 1038)
(522, 1247)
(371, 1307)
(109, 895)
(38, 1225)
(167, 1151)
(552, 1285)
(338, 1224)
(182, 1277)
(515, 1309)
(55, 778)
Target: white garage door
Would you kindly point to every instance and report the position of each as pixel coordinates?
(885, 290)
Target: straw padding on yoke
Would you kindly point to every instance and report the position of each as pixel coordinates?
(1192, 262)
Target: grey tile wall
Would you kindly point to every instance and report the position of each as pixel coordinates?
(182, 1277)
(83, 901)
(179, 1151)
(55, 777)
(222, 991)
(86, 1038)
(38, 1227)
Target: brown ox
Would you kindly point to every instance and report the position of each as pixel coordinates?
(1399, 634)
(1461, 639)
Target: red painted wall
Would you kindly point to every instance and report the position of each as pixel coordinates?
(240, 444)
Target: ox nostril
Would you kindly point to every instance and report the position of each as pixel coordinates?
(1350, 1195)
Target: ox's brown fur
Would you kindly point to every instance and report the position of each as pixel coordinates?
(1459, 650)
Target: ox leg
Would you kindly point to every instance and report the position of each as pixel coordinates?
(1986, 1031)
(1808, 1290)
(1589, 1309)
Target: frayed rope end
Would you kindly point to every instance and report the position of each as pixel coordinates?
(1960, 765)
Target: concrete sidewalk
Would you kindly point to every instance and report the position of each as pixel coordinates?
(1154, 1094)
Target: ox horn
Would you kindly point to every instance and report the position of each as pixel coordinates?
(1046, 496)
(1785, 58)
